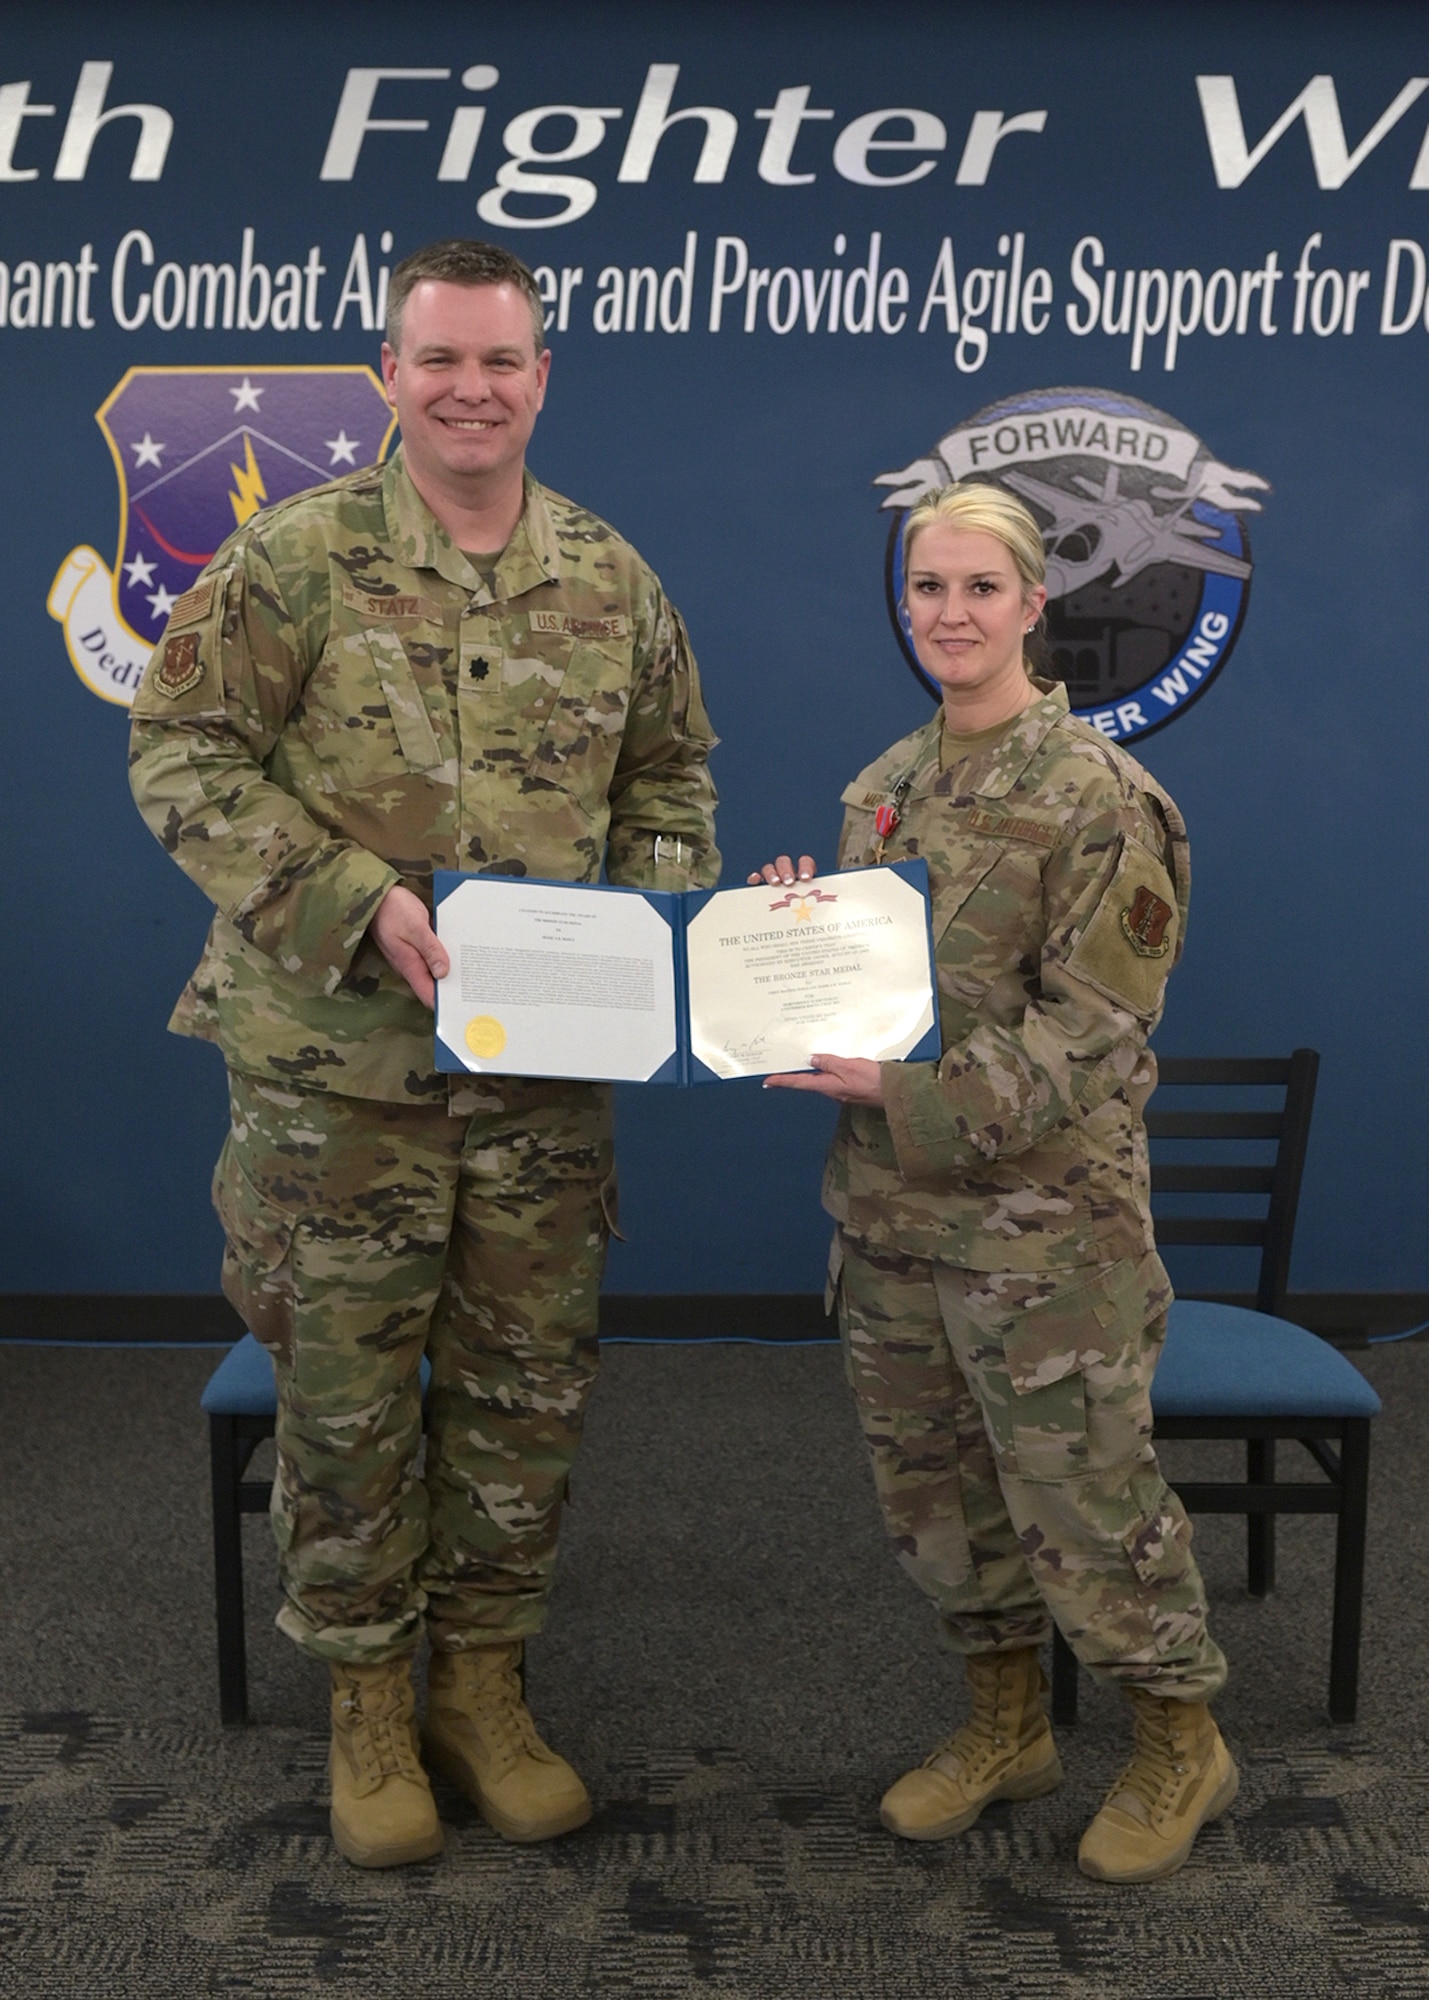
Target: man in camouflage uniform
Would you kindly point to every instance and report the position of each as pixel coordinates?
(1001, 1301)
(432, 663)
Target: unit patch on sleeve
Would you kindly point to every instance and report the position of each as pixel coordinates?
(180, 668)
(1144, 922)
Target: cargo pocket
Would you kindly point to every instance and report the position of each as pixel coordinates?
(257, 1276)
(364, 717)
(586, 727)
(1077, 1380)
(410, 720)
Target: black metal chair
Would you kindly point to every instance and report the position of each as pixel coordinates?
(1228, 1372)
(240, 1402)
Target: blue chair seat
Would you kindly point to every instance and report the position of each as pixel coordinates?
(242, 1384)
(1228, 1361)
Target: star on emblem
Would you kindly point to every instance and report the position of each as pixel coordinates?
(163, 602)
(343, 448)
(146, 452)
(245, 396)
(138, 571)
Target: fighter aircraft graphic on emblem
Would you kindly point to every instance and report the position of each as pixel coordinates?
(198, 452)
(1148, 556)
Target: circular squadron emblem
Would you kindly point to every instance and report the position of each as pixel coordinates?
(1148, 558)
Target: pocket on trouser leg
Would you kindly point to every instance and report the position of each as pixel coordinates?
(1049, 1430)
(257, 1273)
(1166, 1577)
(1065, 1367)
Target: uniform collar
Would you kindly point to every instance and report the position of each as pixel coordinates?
(419, 541)
(991, 770)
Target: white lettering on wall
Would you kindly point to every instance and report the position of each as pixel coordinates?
(1233, 160)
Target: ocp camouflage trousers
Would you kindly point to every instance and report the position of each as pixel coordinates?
(1008, 1417)
(361, 1235)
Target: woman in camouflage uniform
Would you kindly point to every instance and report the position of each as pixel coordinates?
(1000, 1298)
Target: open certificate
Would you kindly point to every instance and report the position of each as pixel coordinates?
(565, 979)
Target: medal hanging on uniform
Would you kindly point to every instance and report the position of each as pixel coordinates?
(889, 816)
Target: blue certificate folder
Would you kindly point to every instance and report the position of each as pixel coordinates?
(546, 981)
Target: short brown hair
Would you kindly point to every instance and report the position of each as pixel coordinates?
(462, 261)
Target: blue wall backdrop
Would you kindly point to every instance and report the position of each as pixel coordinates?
(950, 141)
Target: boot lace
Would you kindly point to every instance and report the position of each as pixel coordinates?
(379, 1719)
(506, 1721)
(1157, 1768)
(987, 1733)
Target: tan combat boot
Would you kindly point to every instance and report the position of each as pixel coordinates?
(1180, 1777)
(1003, 1751)
(383, 1813)
(479, 1736)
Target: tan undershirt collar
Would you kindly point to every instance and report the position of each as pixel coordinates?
(954, 744)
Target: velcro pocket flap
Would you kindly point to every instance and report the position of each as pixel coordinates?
(1133, 937)
(1063, 1321)
(587, 713)
(413, 725)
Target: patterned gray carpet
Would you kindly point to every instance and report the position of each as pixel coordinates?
(738, 1668)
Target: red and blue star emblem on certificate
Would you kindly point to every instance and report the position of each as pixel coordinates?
(198, 452)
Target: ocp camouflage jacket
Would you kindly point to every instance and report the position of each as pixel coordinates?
(1060, 874)
(341, 703)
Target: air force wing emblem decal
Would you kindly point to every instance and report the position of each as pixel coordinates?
(199, 451)
(1148, 555)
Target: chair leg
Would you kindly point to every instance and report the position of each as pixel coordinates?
(228, 1569)
(1349, 1571)
(1064, 1681)
(1260, 1528)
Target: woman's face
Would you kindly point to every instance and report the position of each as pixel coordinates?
(968, 611)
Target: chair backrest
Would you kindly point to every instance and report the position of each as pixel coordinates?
(1273, 1230)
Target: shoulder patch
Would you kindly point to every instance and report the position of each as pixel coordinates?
(1133, 936)
(192, 605)
(180, 669)
(1144, 922)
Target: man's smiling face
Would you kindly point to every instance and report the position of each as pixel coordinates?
(467, 384)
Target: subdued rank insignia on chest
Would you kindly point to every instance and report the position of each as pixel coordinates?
(192, 605)
(179, 670)
(1144, 922)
